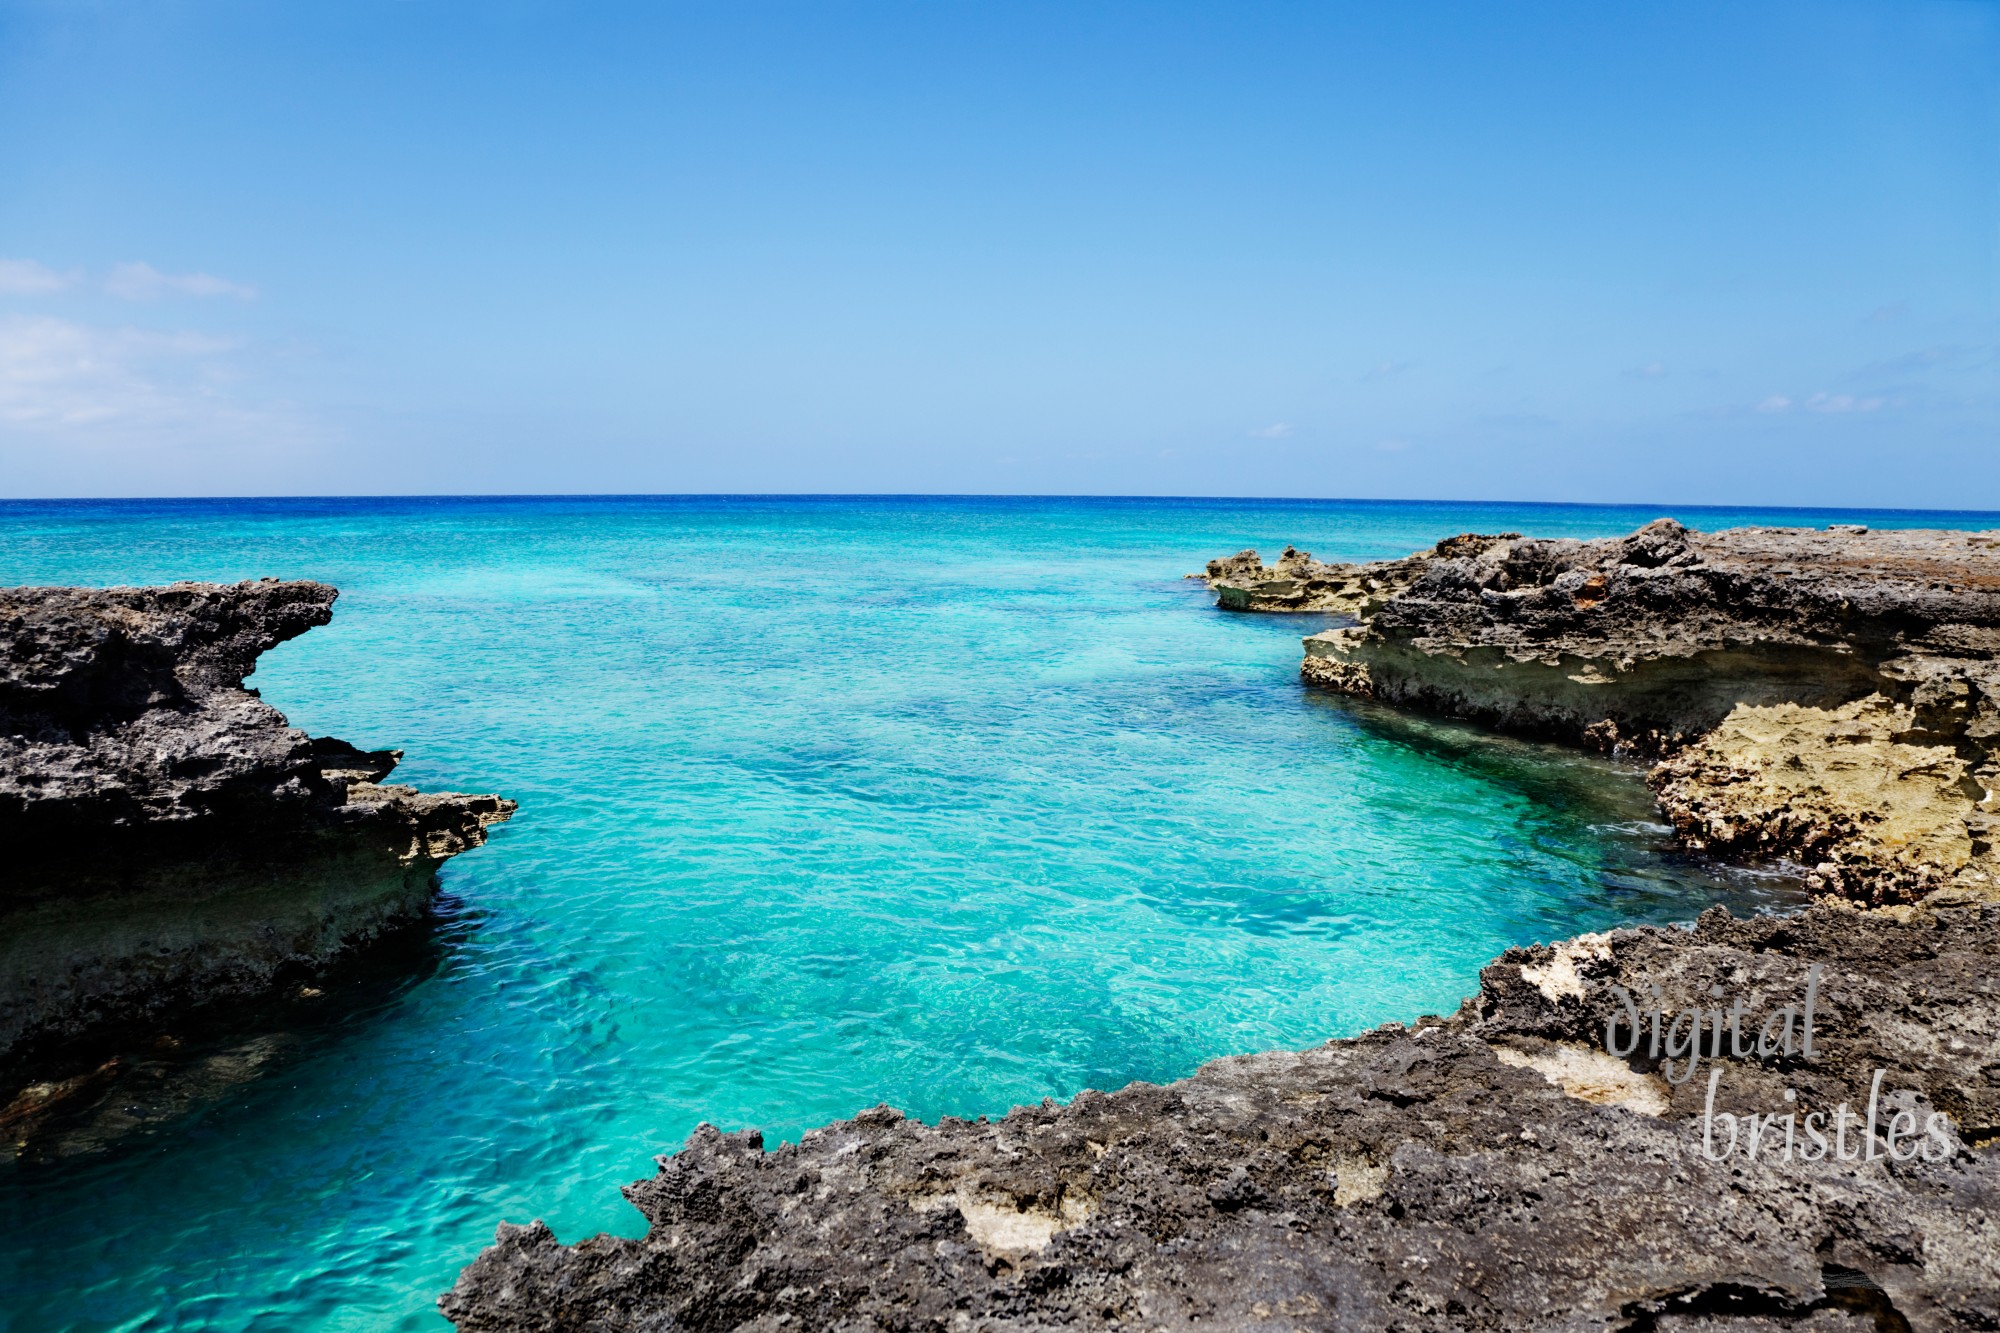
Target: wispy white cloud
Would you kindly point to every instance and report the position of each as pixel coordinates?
(56, 374)
(1519, 421)
(98, 407)
(1652, 370)
(127, 282)
(1951, 357)
(1383, 370)
(1277, 430)
(28, 277)
(1842, 402)
(143, 282)
(1824, 403)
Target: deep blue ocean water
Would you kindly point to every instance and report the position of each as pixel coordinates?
(953, 803)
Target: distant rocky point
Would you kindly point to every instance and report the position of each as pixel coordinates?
(1298, 582)
(171, 843)
(1831, 697)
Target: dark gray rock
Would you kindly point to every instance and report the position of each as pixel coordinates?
(1826, 697)
(1495, 1169)
(1242, 582)
(1649, 641)
(170, 841)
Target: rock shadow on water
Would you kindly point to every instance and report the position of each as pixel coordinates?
(1600, 801)
(185, 868)
(118, 1090)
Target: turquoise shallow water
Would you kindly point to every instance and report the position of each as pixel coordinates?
(950, 803)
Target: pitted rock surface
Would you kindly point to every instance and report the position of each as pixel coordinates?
(1495, 1169)
(1826, 697)
(125, 706)
(1298, 582)
(170, 839)
(1662, 633)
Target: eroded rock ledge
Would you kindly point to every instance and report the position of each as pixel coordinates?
(170, 841)
(1242, 582)
(1496, 1169)
(1830, 697)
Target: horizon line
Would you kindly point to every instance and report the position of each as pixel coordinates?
(528, 496)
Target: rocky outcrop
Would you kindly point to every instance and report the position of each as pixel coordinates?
(1831, 697)
(170, 841)
(1878, 806)
(1298, 582)
(1501, 1168)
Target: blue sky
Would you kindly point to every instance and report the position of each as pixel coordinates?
(1687, 253)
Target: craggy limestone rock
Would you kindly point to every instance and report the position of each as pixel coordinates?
(1300, 583)
(1861, 792)
(1497, 1169)
(170, 840)
(1831, 697)
(1652, 639)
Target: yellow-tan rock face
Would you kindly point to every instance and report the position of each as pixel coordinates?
(1860, 793)
(1828, 697)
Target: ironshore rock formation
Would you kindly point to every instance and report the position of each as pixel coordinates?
(1829, 697)
(170, 841)
(1300, 583)
(1496, 1169)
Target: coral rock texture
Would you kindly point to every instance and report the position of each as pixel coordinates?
(1831, 697)
(1496, 1169)
(171, 841)
(1298, 582)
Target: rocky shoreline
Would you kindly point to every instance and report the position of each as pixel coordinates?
(1782, 1123)
(1494, 1169)
(174, 845)
(1831, 698)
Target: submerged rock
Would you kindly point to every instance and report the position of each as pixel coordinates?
(126, 1096)
(170, 841)
(1496, 1169)
(1830, 697)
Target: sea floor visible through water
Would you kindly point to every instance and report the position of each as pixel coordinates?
(950, 803)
